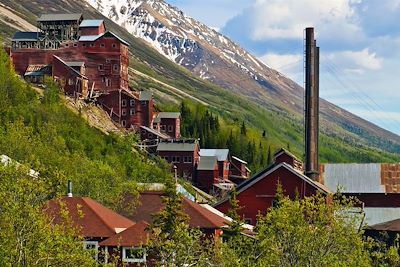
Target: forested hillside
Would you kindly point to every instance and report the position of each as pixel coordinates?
(43, 133)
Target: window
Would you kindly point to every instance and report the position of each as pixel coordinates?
(100, 66)
(108, 60)
(132, 102)
(187, 159)
(108, 82)
(115, 67)
(170, 128)
(123, 123)
(163, 128)
(176, 159)
(114, 45)
(144, 103)
(123, 112)
(102, 45)
(93, 246)
(150, 135)
(70, 81)
(248, 220)
(133, 254)
(66, 45)
(83, 45)
(75, 44)
(91, 45)
(103, 79)
(166, 158)
(123, 102)
(132, 111)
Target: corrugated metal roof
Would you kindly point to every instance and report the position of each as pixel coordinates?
(145, 95)
(207, 163)
(91, 23)
(176, 146)
(60, 17)
(75, 63)
(27, 36)
(380, 215)
(353, 178)
(89, 38)
(221, 154)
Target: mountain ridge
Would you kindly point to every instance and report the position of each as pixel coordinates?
(286, 124)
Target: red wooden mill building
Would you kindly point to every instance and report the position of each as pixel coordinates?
(87, 61)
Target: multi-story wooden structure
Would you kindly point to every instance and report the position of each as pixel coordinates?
(168, 123)
(184, 154)
(87, 61)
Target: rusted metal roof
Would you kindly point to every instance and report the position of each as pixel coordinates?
(38, 70)
(362, 178)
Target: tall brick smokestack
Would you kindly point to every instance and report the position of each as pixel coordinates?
(311, 106)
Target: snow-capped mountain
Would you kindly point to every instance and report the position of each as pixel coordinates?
(199, 48)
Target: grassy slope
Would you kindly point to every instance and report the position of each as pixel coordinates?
(282, 127)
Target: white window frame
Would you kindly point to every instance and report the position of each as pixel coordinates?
(123, 102)
(170, 128)
(123, 123)
(132, 111)
(132, 102)
(137, 260)
(187, 159)
(123, 111)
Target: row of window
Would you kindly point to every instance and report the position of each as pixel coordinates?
(177, 159)
(129, 254)
(91, 45)
(131, 111)
(100, 67)
(164, 128)
(131, 102)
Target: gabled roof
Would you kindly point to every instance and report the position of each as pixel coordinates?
(238, 159)
(270, 169)
(134, 236)
(27, 36)
(284, 151)
(60, 17)
(177, 146)
(221, 154)
(207, 163)
(97, 220)
(145, 95)
(91, 23)
(72, 69)
(167, 115)
(151, 203)
(92, 38)
(156, 133)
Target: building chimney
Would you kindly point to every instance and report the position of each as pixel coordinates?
(69, 188)
(311, 106)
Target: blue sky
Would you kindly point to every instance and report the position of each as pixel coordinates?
(359, 40)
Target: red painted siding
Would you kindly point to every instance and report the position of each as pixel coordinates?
(258, 197)
(206, 178)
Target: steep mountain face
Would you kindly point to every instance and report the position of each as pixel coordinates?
(216, 58)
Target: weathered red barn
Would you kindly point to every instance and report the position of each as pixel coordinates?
(238, 170)
(223, 159)
(184, 154)
(257, 194)
(168, 123)
(207, 173)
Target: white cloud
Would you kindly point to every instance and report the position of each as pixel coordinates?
(289, 64)
(278, 19)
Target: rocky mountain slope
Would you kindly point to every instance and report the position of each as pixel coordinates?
(216, 58)
(251, 90)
